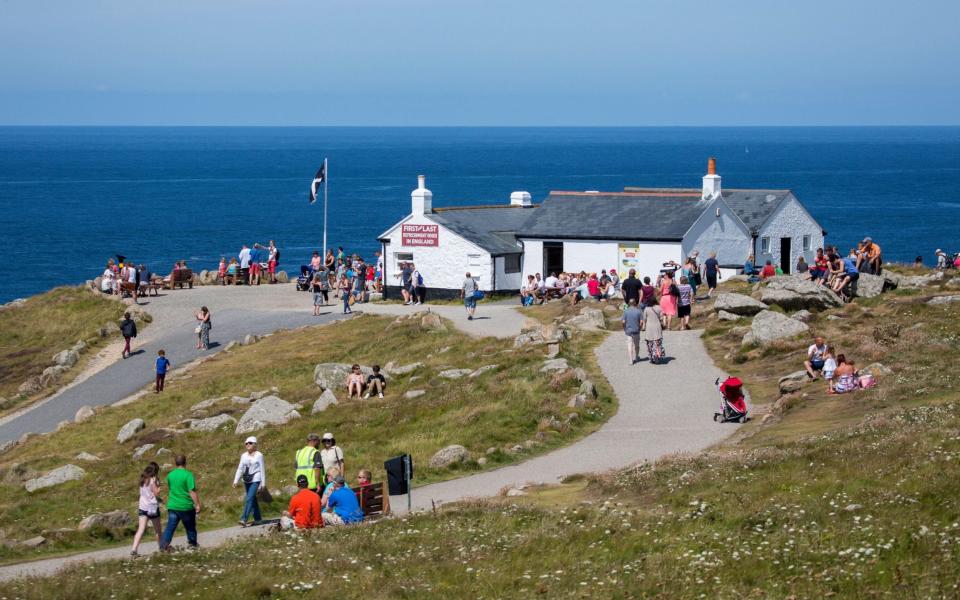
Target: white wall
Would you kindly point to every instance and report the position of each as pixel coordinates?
(594, 255)
(442, 266)
(507, 281)
(725, 234)
(793, 221)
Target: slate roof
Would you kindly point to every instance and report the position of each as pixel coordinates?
(493, 228)
(655, 215)
(753, 207)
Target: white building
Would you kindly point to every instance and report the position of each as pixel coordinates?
(640, 228)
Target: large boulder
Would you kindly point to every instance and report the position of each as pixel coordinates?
(129, 430)
(938, 300)
(454, 373)
(870, 286)
(449, 456)
(405, 369)
(283, 277)
(212, 423)
(30, 386)
(325, 401)
(66, 358)
(792, 293)
(554, 365)
(142, 450)
(266, 411)
(793, 382)
(117, 519)
(334, 375)
(55, 477)
(83, 413)
(50, 375)
(769, 326)
(432, 322)
(738, 304)
(589, 319)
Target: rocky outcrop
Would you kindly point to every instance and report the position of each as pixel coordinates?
(83, 413)
(212, 423)
(870, 286)
(804, 316)
(205, 404)
(334, 375)
(66, 358)
(130, 429)
(117, 519)
(55, 477)
(769, 326)
(589, 319)
(792, 382)
(940, 300)
(912, 281)
(87, 457)
(325, 401)
(266, 411)
(738, 304)
(554, 365)
(449, 456)
(432, 322)
(141, 451)
(480, 371)
(30, 386)
(727, 316)
(51, 375)
(454, 373)
(405, 369)
(411, 394)
(792, 293)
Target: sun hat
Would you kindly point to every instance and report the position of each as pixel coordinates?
(867, 240)
(328, 436)
(251, 440)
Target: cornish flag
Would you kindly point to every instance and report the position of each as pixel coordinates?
(319, 178)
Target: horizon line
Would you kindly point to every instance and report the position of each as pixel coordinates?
(486, 126)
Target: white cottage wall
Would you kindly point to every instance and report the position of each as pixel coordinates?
(793, 221)
(442, 266)
(531, 262)
(724, 234)
(504, 280)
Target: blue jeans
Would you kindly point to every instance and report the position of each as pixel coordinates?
(250, 504)
(174, 517)
(346, 303)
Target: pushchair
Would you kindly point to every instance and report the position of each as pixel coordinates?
(306, 276)
(733, 407)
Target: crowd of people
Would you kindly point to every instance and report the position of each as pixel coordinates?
(837, 370)
(323, 498)
(349, 277)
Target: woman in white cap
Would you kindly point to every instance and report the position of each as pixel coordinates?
(252, 473)
(332, 454)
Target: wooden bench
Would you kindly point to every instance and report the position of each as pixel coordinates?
(374, 500)
(235, 278)
(180, 277)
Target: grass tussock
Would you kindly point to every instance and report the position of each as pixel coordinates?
(499, 409)
(32, 332)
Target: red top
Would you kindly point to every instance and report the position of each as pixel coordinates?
(593, 286)
(768, 271)
(305, 510)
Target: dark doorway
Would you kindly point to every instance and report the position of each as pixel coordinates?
(785, 263)
(552, 258)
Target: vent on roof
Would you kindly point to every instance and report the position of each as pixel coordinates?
(520, 199)
(771, 197)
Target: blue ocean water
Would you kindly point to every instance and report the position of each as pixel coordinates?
(72, 197)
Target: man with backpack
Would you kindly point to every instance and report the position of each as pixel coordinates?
(469, 292)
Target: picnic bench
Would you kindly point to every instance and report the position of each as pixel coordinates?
(374, 500)
(180, 277)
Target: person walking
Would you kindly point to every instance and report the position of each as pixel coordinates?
(148, 509)
(319, 288)
(344, 288)
(253, 473)
(183, 504)
(309, 464)
(129, 330)
(653, 333)
(685, 302)
(669, 293)
(468, 291)
(711, 268)
(630, 288)
(163, 365)
(416, 285)
(632, 320)
(203, 328)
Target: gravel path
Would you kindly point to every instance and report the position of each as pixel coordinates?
(663, 410)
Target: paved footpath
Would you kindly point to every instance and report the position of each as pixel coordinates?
(664, 409)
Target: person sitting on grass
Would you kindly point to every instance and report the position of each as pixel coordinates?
(331, 474)
(845, 377)
(815, 357)
(304, 509)
(355, 383)
(375, 383)
(342, 505)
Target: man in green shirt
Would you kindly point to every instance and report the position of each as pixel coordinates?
(183, 504)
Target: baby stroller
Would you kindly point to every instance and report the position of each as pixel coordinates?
(306, 276)
(732, 403)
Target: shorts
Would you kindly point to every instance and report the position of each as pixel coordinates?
(711, 280)
(853, 276)
(470, 301)
(319, 298)
(272, 267)
(816, 364)
(254, 268)
(143, 513)
(683, 310)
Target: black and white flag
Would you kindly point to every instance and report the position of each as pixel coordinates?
(319, 178)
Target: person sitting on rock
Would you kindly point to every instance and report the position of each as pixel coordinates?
(849, 272)
(376, 383)
(355, 383)
(304, 509)
(815, 357)
(768, 271)
(868, 257)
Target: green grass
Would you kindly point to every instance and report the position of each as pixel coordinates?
(499, 409)
(32, 332)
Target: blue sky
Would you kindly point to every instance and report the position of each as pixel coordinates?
(490, 62)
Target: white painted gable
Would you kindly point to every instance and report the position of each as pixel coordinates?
(718, 230)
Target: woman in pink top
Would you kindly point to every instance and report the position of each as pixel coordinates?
(668, 301)
(149, 507)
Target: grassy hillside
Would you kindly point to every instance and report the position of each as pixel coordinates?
(499, 409)
(32, 332)
(852, 496)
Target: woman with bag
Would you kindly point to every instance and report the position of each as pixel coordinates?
(203, 328)
(253, 474)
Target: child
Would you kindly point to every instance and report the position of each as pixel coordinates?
(375, 383)
(162, 365)
(319, 288)
(829, 366)
(364, 477)
(222, 271)
(149, 507)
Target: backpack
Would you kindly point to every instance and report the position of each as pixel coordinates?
(419, 279)
(674, 290)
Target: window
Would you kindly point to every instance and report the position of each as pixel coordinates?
(475, 260)
(806, 243)
(764, 245)
(402, 257)
(511, 263)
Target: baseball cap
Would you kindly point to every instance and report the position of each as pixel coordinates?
(251, 440)
(339, 480)
(313, 437)
(302, 480)
(867, 240)
(328, 436)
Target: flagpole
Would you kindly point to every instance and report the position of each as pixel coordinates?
(326, 177)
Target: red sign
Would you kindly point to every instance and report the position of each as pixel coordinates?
(420, 235)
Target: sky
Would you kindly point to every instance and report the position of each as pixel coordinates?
(473, 62)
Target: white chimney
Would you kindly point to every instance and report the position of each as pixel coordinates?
(520, 199)
(711, 181)
(421, 199)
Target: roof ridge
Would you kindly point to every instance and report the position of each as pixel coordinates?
(479, 207)
(645, 194)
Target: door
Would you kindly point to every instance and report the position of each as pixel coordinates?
(785, 255)
(552, 258)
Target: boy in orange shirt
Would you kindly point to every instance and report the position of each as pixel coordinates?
(304, 509)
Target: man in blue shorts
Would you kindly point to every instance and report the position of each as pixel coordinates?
(468, 291)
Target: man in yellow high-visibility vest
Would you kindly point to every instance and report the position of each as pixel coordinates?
(309, 463)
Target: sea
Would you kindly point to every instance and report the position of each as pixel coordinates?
(72, 197)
